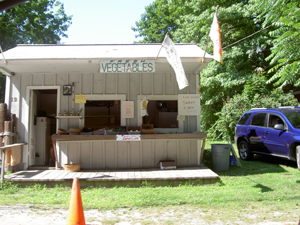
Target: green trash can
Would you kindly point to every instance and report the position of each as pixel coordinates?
(220, 156)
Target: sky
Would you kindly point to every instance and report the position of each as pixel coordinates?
(103, 21)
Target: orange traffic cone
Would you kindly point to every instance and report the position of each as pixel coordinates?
(76, 215)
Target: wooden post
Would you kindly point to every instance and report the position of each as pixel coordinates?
(7, 138)
(3, 109)
(7, 132)
(13, 129)
(2, 166)
(202, 150)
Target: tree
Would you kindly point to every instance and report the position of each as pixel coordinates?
(247, 60)
(32, 22)
(241, 103)
(285, 54)
(220, 82)
(160, 17)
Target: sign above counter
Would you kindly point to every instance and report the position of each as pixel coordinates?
(189, 104)
(127, 66)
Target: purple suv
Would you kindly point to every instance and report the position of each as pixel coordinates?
(273, 132)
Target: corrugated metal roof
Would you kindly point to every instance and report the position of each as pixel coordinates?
(105, 51)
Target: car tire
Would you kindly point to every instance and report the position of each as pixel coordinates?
(244, 151)
(298, 157)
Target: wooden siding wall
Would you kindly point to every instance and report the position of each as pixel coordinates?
(130, 85)
(125, 154)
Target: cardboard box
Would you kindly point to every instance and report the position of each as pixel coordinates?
(167, 165)
(147, 129)
(133, 128)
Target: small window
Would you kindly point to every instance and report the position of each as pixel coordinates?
(162, 114)
(102, 114)
(273, 120)
(244, 118)
(259, 119)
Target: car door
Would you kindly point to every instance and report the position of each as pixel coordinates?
(275, 139)
(256, 132)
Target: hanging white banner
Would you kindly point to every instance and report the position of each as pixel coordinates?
(175, 62)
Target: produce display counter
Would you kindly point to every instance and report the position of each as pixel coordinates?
(142, 151)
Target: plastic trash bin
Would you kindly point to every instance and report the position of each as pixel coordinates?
(220, 156)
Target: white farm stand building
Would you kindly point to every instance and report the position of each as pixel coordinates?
(106, 85)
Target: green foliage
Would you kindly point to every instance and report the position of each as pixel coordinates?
(8, 188)
(239, 104)
(245, 66)
(242, 62)
(285, 54)
(32, 22)
(160, 17)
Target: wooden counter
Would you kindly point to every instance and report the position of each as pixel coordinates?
(198, 135)
(105, 152)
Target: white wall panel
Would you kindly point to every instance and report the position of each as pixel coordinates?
(37, 79)
(123, 83)
(171, 86)
(23, 118)
(193, 152)
(97, 155)
(171, 146)
(86, 81)
(159, 151)
(135, 154)
(49, 79)
(123, 154)
(146, 83)
(192, 83)
(184, 150)
(85, 154)
(110, 83)
(74, 152)
(101, 84)
(158, 84)
(98, 80)
(110, 154)
(148, 154)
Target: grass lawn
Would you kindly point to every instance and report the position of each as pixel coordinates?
(265, 189)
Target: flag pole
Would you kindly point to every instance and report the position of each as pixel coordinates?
(5, 62)
(208, 39)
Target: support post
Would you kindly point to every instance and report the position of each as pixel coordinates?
(2, 166)
(3, 109)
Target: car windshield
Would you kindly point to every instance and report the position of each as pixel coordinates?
(294, 118)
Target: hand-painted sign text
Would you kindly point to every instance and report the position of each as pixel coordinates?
(127, 66)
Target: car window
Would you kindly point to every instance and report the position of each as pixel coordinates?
(294, 118)
(273, 120)
(244, 118)
(259, 119)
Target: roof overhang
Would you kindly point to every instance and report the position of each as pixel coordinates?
(46, 59)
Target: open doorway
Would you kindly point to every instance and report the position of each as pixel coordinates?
(43, 108)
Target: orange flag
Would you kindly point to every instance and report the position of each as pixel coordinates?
(215, 36)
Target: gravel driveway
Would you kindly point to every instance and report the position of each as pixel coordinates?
(28, 215)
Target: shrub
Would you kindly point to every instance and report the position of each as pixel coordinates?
(239, 104)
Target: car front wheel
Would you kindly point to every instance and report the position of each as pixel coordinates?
(244, 151)
(298, 157)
